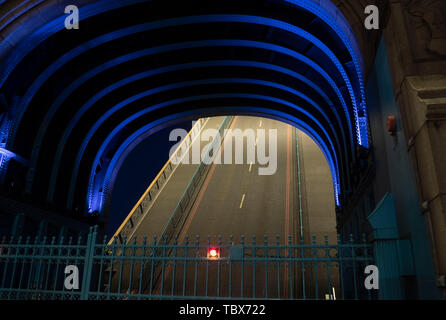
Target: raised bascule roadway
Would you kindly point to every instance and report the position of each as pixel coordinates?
(231, 204)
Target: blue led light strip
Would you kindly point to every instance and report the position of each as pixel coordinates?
(190, 20)
(331, 160)
(102, 149)
(174, 86)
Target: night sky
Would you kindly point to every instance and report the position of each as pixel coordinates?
(138, 171)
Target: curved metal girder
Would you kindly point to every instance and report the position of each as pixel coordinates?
(164, 88)
(187, 45)
(101, 200)
(182, 100)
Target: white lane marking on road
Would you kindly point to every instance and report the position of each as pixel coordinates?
(243, 199)
(250, 165)
(260, 124)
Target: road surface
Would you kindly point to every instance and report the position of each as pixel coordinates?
(235, 201)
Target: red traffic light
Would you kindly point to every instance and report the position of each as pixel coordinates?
(213, 253)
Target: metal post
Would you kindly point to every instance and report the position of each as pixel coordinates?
(86, 279)
(18, 224)
(386, 237)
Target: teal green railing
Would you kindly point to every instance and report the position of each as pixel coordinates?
(249, 269)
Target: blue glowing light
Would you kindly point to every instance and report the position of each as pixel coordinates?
(135, 116)
(321, 8)
(99, 199)
(189, 20)
(194, 83)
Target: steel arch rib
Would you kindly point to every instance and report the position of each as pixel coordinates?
(178, 101)
(196, 44)
(323, 9)
(320, 8)
(182, 85)
(68, 91)
(344, 30)
(139, 76)
(297, 122)
(176, 22)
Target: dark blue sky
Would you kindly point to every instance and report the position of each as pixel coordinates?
(138, 171)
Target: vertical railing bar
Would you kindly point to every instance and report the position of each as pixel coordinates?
(242, 267)
(14, 264)
(364, 244)
(219, 267)
(121, 264)
(163, 264)
(101, 265)
(89, 263)
(110, 274)
(48, 273)
(254, 255)
(315, 255)
(327, 255)
(86, 263)
(17, 252)
(341, 271)
(59, 258)
(25, 254)
(354, 266)
(77, 258)
(153, 255)
(290, 266)
(40, 265)
(278, 265)
(197, 240)
(5, 269)
(207, 269)
(67, 260)
(302, 254)
(174, 269)
(8, 259)
(266, 254)
(13, 252)
(29, 284)
(185, 253)
(230, 270)
(132, 264)
(142, 265)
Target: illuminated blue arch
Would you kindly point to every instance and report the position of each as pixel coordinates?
(331, 15)
(193, 83)
(135, 116)
(58, 102)
(324, 9)
(321, 8)
(187, 45)
(96, 200)
(164, 88)
(194, 20)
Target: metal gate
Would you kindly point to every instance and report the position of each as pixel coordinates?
(195, 269)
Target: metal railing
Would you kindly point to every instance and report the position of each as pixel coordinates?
(181, 211)
(147, 199)
(251, 270)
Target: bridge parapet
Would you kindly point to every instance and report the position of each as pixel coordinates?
(147, 199)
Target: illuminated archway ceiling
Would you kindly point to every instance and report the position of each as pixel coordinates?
(75, 96)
